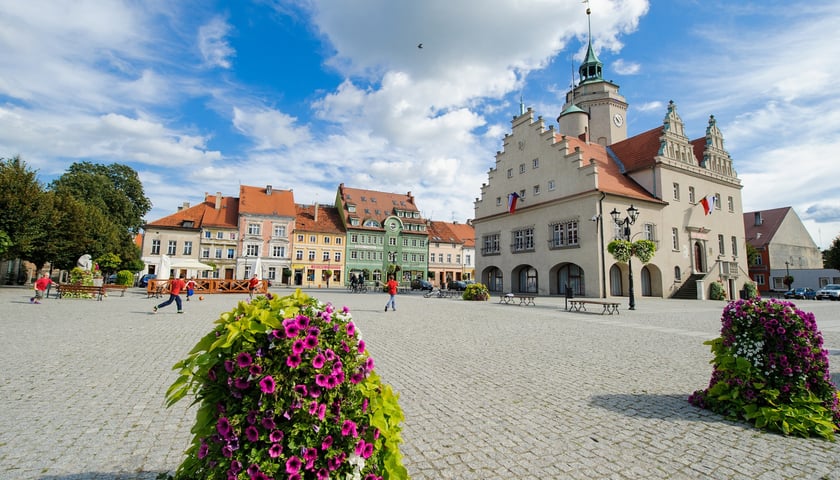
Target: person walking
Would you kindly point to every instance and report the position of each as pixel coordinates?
(190, 286)
(391, 286)
(252, 285)
(175, 287)
(41, 286)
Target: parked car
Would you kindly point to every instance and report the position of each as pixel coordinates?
(144, 280)
(419, 284)
(831, 292)
(801, 293)
(458, 285)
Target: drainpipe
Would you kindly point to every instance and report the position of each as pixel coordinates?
(603, 260)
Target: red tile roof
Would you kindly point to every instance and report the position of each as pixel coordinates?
(639, 151)
(441, 232)
(376, 205)
(771, 220)
(465, 232)
(328, 219)
(266, 201)
(203, 215)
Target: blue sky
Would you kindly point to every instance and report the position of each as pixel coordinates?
(202, 96)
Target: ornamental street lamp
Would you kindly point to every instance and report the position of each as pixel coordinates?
(630, 219)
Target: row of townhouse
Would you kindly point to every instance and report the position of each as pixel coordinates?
(264, 232)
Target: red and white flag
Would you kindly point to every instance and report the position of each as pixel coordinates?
(708, 203)
(512, 198)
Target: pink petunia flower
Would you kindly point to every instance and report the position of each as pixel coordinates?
(293, 465)
(351, 329)
(267, 384)
(293, 360)
(318, 361)
(243, 360)
(275, 450)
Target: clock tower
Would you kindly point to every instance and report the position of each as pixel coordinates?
(599, 98)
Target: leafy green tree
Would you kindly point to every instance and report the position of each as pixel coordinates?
(5, 243)
(831, 256)
(109, 262)
(21, 207)
(114, 189)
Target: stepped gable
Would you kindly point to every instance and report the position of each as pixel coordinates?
(266, 201)
(328, 220)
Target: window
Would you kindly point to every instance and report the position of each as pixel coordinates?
(448, 258)
(279, 230)
(272, 273)
(326, 257)
(337, 257)
(467, 259)
(326, 240)
(536, 189)
(677, 274)
(220, 235)
(535, 163)
(218, 253)
(252, 251)
(300, 237)
(490, 244)
(278, 251)
(253, 229)
(458, 259)
(735, 246)
(338, 240)
(232, 237)
(231, 253)
(208, 234)
(440, 258)
(649, 231)
(677, 192)
(521, 168)
(205, 252)
(354, 238)
(155, 247)
(523, 240)
(564, 234)
(354, 255)
(392, 241)
(522, 193)
(551, 185)
(405, 257)
(172, 248)
(298, 254)
(498, 201)
(757, 260)
(311, 255)
(675, 239)
(313, 239)
(730, 203)
(691, 197)
(510, 173)
(759, 278)
(720, 245)
(717, 201)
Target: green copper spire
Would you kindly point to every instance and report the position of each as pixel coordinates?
(591, 68)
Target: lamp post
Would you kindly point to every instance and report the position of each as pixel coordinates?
(630, 219)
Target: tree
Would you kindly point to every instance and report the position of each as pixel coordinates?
(831, 256)
(21, 207)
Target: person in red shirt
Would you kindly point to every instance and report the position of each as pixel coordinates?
(391, 286)
(252, 285)
(41, 286)
(190, 286)
(175, 287)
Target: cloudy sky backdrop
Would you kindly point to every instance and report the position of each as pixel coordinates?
(202, 96)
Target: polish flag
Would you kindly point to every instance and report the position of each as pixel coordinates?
(708, 203)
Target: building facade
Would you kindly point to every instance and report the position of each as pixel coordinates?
(318, 243)
(266, 220)
(385, 234)
(445, 254)
(545, 217)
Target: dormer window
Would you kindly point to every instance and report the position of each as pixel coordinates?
(758, 220)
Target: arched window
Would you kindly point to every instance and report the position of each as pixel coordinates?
(677, 274)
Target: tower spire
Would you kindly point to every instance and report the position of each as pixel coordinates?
(591, 68)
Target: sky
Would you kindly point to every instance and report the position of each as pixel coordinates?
(203, 96)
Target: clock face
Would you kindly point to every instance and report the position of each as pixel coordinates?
(393, 225)
(618, 120)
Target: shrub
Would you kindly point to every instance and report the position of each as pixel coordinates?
(716, 291)
(125, 277)
(750, 290)
(286, 389)
(770, 368)
(476, 291)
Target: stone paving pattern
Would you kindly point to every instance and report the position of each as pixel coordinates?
(489, 391)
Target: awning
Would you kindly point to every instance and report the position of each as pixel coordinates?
(189, 263)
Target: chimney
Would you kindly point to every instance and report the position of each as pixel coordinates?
(268, 189)
(316, 212)
(218, 200)
(184, 206)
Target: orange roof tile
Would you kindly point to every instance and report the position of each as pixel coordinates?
(771, 220)
(328, 219)
(378, 205)
(266, 201)
(440, 232)
(639, 151)
(203, 215)
(465, 232)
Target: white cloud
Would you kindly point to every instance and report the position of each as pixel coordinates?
(269, 129)
(623, 67)
(213, 45)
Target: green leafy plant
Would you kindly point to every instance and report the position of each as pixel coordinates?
(622, 250)
(476, 291)
(286, 389)
(770, 368)
(125, 277)
(716, 291)
(788, 280)
(750, 290)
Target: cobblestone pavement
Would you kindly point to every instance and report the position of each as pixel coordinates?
(489, 391)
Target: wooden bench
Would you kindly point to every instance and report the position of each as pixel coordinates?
(524, 299)
(580, 306)
(66, 289)
(114, 287)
